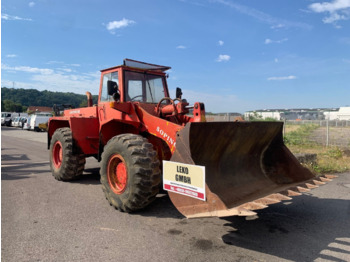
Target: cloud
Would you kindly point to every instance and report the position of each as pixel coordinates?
(223, 58)
(31, 4)
(68, 70)
(261, 16)
(11, 55)
(112, 26)
(181, 47)
(54, 62)
(27, 69)
(278, 26)
(61, 63)
(334, 6)
(278, 78)
(276, 60)
(337, 10)
(61, 79)
(221, 43)
(13, 17)
(269, 41)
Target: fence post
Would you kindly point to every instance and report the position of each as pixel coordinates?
(327, 131)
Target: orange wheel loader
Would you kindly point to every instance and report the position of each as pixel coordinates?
(143, 137)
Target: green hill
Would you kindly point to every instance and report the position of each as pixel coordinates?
(12, 98)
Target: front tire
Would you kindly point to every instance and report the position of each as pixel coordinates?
(64, 164)
(130, 173)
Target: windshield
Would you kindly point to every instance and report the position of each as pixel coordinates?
(144, 87)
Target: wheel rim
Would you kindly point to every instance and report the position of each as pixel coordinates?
(117, 174)
(57, 154)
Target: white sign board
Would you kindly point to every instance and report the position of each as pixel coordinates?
(184, 179)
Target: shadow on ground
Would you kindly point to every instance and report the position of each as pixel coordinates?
(162, 207)
(21, 168)
(91, 176)
(300, 231)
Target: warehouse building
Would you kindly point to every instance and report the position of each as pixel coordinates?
(342, 113)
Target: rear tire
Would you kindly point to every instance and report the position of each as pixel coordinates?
(130, 173)
(65, 165)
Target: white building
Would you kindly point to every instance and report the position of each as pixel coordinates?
(263, 114)
(342, 114)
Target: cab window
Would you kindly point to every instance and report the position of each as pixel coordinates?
(146, 88)
(104, 93)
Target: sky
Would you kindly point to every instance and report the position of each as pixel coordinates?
(233, 55)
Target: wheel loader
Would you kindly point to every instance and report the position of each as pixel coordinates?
(143, 139)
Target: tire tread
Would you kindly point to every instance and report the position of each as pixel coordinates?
(143, 172)
(72, 165)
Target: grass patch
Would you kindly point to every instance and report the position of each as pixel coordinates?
(300, 135)
(329, 159)
(332, 160)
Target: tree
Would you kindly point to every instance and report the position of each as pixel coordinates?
(83, 104)
(10, 106)
(32, 97)
(255, 116)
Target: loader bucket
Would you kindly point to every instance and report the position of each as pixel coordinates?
(247, 167)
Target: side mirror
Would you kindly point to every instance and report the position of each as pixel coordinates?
(178, 92)
(112, 87)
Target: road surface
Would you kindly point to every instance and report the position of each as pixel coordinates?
(46, 220)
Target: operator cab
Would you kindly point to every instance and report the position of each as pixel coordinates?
(144, 84)
(134, 81)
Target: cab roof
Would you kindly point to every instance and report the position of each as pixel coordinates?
(140, 65)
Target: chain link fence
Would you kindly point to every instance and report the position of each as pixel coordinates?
(325, 132)
(222, 117)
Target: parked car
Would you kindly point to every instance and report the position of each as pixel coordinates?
(39, 118)
(26, 123)
(15, 121)
(22, 120)
(6, 118)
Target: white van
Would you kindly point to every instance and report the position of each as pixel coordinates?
(39, 118)
(6, 118)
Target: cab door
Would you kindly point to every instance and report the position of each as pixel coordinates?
(104, 98)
